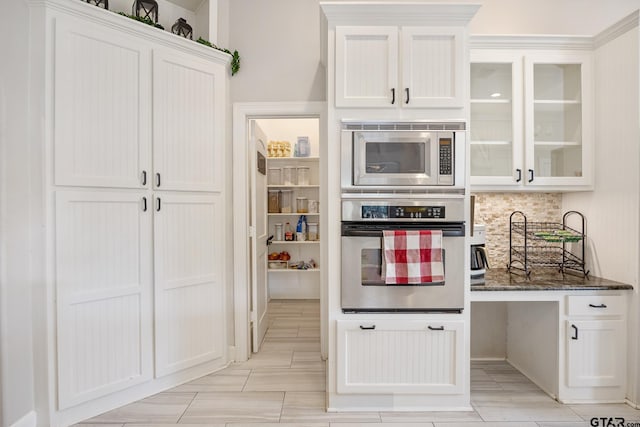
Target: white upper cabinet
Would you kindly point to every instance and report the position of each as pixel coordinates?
(390, 66)
(98, 83)
(188, 103)
(115, 106)
(531, 119)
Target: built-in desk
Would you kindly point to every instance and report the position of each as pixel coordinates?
(566, 333)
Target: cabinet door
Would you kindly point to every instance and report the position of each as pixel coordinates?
(558, 119)
(102, 118)
(367, 66)
(188, 122)
(595, 353)
(400, 356)
(433, 64)
(103, 291)
(189, 280)
(496, 119)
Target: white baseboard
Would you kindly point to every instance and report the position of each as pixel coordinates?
(29, 420)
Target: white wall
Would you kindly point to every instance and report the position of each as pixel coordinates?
(16, 349)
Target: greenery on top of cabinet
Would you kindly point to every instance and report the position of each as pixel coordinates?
(235, 56)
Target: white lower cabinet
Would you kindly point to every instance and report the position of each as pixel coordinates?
(595, 332)
(189, 286)
(103, 292)
(400, 356)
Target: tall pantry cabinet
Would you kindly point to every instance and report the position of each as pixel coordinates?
(134, 122)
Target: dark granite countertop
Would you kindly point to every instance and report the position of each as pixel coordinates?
(499, 279)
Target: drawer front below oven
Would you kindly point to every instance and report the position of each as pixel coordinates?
(364, 290)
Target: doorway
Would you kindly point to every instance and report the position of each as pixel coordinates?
(296, 277)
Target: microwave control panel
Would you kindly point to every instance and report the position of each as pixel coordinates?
(446, 156)
(404, 212)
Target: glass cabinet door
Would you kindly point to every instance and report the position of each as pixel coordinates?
(556, 121)
(496, 149)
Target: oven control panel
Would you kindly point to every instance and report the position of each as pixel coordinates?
(404, 212)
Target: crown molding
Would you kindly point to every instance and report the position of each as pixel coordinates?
(531, 42)
(624, 25)
(397, 13)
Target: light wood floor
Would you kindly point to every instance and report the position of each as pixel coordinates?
(284, 384)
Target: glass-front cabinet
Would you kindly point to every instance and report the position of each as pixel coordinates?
(531, 123)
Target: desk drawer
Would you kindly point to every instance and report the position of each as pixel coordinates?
(596, 305)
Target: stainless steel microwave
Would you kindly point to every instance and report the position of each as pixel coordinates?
(402, 156)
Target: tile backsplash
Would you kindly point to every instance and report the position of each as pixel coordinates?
(493, 210)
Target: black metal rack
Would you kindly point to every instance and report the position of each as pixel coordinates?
(546, 244)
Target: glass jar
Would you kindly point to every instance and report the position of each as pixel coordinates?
(278, 233)
(313, 206)
(275, 176)
(273, 201)
(286, 200)
(288, 175)
(303, 175)
(312, 231)
(302, 147)
(302, 205)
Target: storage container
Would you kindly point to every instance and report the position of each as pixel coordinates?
(286, 200)
(303, 175)
(302, 205)
(274, 201)
(302, 147)
(275, 176)
(288, 175)
(312, 231)
(279, 236)
(313, 206)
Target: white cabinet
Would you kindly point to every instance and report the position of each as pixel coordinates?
(189, 286)
(390, 66)
(104, 290)
(595, 346)
(127, 252)
(102, 77)
(531, 119)
(284, 281)
(188, 110)
(400, 356)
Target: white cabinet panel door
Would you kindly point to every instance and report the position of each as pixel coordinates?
(433, 67)
(189, 280)
(188, 122)
(102, 107)
(103, 288)
(400, 356)
(596, 353)
(366, 66)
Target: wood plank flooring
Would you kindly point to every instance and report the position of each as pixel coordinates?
(283, 386)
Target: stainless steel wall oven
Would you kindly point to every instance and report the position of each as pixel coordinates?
(363, 223)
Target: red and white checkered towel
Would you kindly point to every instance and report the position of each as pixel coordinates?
(412, 257)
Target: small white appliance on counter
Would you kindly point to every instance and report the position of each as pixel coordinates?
(479, 259)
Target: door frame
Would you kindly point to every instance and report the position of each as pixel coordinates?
(242, 113)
